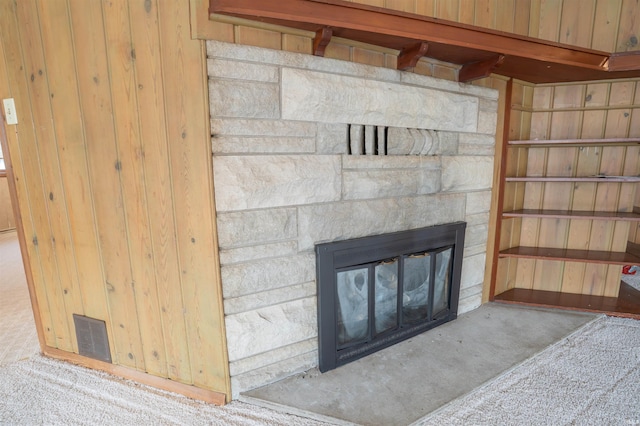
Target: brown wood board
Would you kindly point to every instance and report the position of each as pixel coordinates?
(627, 304)
(576, 142)
(587, 256)
(599, 179)
(526, 58)
(575, 214)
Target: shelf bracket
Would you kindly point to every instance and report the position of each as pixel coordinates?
(321, 40)
(475, 70)
(410, 55)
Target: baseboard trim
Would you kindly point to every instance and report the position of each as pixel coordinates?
(190, 391)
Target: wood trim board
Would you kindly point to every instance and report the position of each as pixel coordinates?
(586, 256)
(138, 376)
(525, 58)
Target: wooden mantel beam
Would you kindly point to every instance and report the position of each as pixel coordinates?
(526, 58)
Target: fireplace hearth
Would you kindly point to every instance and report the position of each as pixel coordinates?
(376, 291)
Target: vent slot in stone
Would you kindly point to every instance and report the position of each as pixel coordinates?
(92, 338)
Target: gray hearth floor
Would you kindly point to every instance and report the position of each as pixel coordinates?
(401, 384)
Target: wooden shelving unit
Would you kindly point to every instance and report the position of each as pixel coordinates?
(595, 179)
(575, 214)
(575, 142)
(547, 218)
(587, 256)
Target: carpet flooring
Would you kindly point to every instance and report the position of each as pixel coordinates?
(589, 378)
(43, 391)
(18, 337)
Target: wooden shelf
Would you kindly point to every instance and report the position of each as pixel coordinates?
(576, 214)
(480, 51)
(627, 304)
(575, 142)
(586, 256)
(599, 179)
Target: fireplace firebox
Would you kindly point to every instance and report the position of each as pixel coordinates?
(376, 291)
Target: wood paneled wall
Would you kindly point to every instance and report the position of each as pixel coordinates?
(111, 162)
(608, 25)
(7, 220)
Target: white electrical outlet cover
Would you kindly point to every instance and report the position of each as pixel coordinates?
(10, 111)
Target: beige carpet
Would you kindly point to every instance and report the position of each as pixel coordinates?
(18, 338)
(589, 378)
(42, 391)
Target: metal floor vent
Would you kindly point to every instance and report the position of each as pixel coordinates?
(92, 338)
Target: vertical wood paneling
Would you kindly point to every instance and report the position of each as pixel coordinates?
(38, 235)
(113, 170)
(629, 29)
(576, 24)
(605, 25)
(298, 44)
(6, 213)
(466, 11)
(485, 13)
(120, 56)
(426, 7)
(69, 138)
(505, 13)
(522, 15)
(167, 298)
(185, 85)
(258, 37)
(15, 179)
(402, 5)
(534, 18)
(549, 21)
(448, 10)
(97, 112)
(65, 291)
(368, 57)
(378, 3)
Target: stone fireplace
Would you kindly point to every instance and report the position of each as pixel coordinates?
(310, 150)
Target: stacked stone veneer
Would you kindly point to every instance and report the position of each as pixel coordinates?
(282, 124)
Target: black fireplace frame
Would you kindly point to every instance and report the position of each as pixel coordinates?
(333, 256)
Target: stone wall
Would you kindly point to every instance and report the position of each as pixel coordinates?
(288, 133)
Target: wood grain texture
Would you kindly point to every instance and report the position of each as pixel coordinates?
(7, 220)
(187, 115)
(574, 113)
(23, 148)
(19, 197)
(114, 179)
(626, 304)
